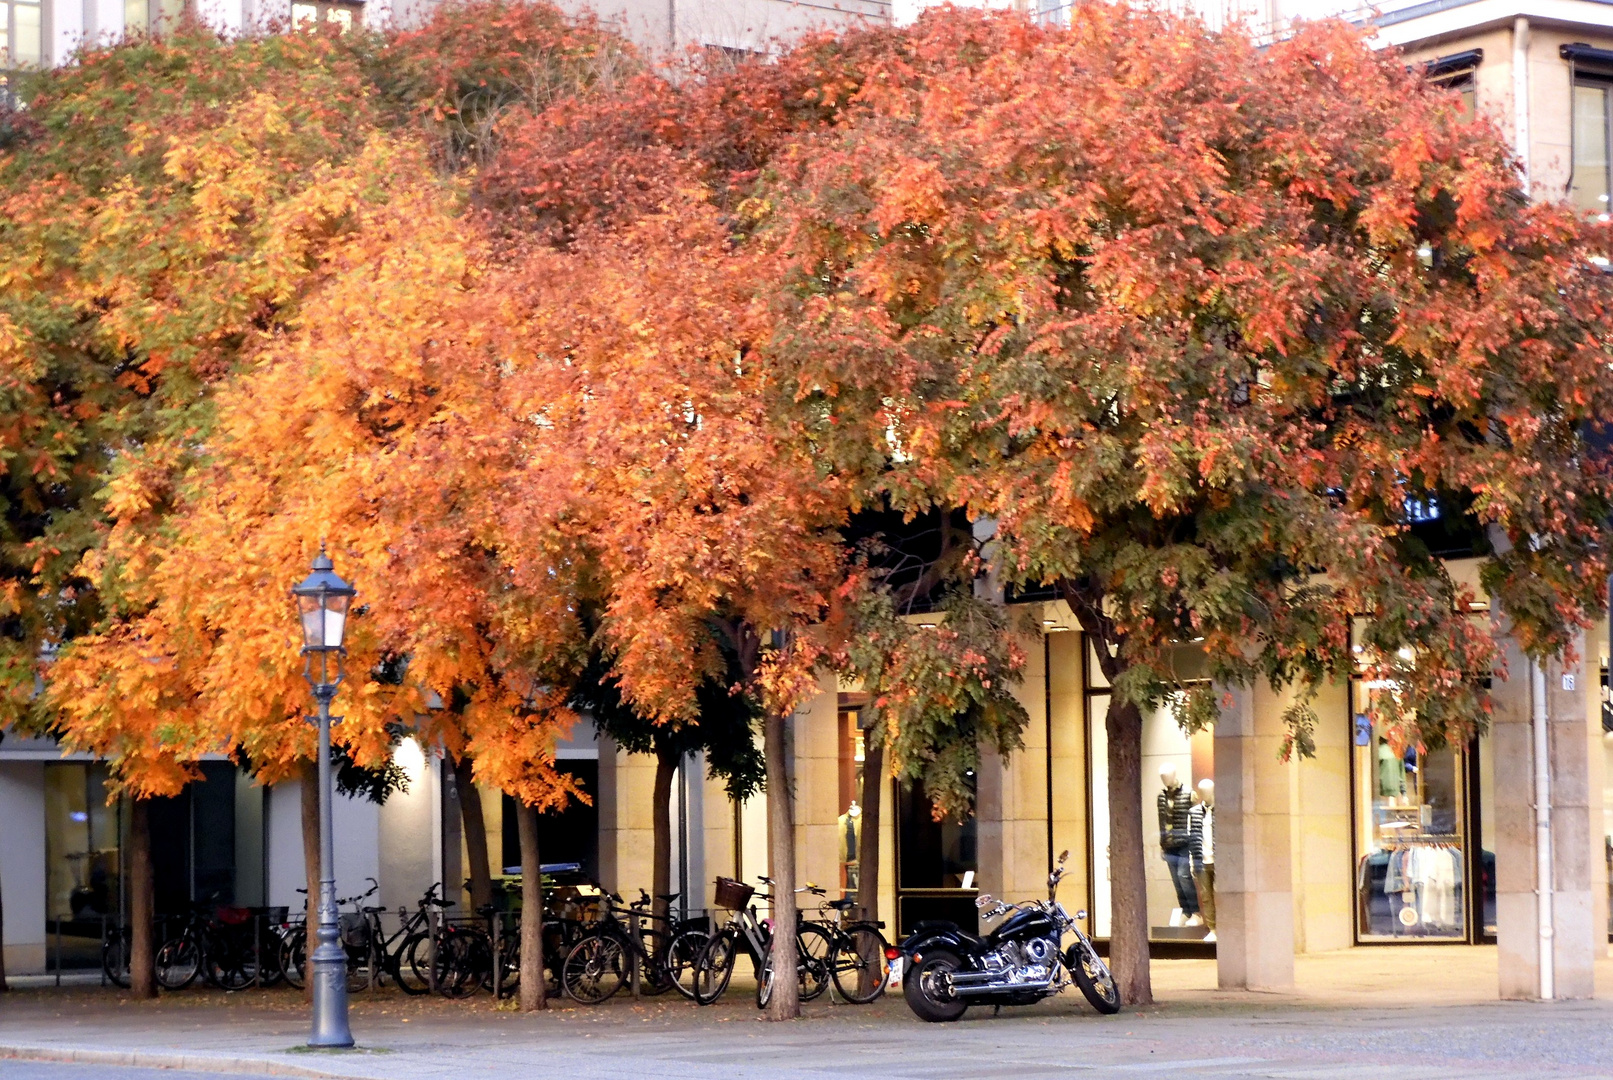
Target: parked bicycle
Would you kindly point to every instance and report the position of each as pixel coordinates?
(662, 950)
(859, 954)
(222, 943)
(747, 932)
(352, 933)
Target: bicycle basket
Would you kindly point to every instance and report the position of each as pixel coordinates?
(355, 931)
(733, 895)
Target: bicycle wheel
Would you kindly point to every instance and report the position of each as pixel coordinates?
(226, 969)
(401, 965)
(179, 961)
(459, 962)
(816, 944)
(861, 969)
(715, 967)
(294, 957)
(115, 957)
(656, 977)
(509, 962)
(595, 969)
(764, 983)
(683, 959)
(415, 961)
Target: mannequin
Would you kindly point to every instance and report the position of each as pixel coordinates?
(1175, 838)
(1201, 847)
(850, 826)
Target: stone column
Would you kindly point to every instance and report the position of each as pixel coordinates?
(1575, 940)
(1254, 880)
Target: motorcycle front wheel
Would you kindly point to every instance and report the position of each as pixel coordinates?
(928, 988)
(1092, 975)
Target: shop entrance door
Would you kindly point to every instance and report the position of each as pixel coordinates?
(936, 863)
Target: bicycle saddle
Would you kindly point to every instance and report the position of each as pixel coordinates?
(844, 905)
(668, 897)
(373, 910)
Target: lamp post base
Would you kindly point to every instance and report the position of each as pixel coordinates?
(330, 1030)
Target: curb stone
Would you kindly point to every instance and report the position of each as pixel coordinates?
(149, 1059)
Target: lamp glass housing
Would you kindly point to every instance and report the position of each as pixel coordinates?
(323, 600)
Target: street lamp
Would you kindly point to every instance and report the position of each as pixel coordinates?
(323, 600)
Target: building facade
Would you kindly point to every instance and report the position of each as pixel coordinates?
(1368, 844)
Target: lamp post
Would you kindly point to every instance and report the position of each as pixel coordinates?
(323, 600)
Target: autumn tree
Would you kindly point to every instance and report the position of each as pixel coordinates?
(262, 165)
(722, 731)
(1189, 321)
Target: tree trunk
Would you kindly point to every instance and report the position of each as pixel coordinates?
(868, 849)
(142, 899)
(310, 870)
(533, 990)
(1128, 935)
(666, 766)
(786, 1000)
(868, 840)
(470, 810)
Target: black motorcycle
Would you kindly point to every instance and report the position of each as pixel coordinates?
(1020, 962)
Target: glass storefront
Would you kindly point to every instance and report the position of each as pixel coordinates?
(1411, 832)
(1423, 823)
(82, 878)
(848, 826)
(83, 875)
(1178, 792)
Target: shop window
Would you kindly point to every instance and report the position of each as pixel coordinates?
(1591, 184)
(83, 883)
(1178, 794)
(1421, 858)
(342, 16)
(848, 826)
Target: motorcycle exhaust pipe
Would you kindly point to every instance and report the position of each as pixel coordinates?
(978, 989)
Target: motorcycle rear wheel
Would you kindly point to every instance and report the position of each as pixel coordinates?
(928, 988)
(1092, 975)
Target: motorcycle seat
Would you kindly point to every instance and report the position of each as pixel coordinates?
(929, 926)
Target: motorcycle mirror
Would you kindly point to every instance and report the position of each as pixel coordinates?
(1081, 914)
(983, 901)
(1063, 855)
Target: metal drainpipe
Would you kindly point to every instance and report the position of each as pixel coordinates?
(1543, 869)
(1520, 95)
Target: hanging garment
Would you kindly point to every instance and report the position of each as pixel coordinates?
(1439, 881)
(1391, 772)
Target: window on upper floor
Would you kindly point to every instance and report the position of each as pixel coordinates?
(151, 16)
(22, 34)
(341, 14)
(1592, 182)
(1459, 74)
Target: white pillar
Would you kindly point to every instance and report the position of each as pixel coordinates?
(1254, 880)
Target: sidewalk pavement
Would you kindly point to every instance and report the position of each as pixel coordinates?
(1406, 1014)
